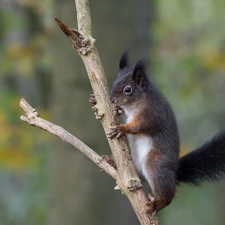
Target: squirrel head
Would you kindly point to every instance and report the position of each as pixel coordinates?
(131, 83)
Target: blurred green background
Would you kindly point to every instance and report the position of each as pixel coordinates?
(45, 181)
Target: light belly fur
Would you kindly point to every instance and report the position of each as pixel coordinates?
(140, 145)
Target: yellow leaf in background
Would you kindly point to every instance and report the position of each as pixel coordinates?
(16, 50)
(215, 60)
(36, 5)
(17, 142)
(15, 160)
(5, 133)
(2, 118)
(23, 57)
(25, 65)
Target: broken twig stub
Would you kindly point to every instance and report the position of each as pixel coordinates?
(82, 42)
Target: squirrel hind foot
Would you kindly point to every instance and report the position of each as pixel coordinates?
(151, 198)
(151, 210)
(150, 205)
(109, 160)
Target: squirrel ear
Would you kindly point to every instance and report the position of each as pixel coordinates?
(124, 60)
(139, 73)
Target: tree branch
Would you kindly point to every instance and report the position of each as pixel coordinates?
(32, 117)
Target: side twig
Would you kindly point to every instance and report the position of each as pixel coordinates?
(31, 116)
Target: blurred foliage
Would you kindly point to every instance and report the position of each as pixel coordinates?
(189, 53)
(188, 63)
(23, 38)
(17, 140)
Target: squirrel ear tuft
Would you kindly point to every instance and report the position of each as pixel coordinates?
(139, 73)
(124, 60)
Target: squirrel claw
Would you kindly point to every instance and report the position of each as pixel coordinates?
(116, 110)
(119, 134)
(92, 99)
(151, 198)
(115, 132)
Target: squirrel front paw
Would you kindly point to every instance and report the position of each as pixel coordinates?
(115, 132)
(116, 110)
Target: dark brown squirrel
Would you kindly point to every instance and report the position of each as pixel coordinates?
(151, 130)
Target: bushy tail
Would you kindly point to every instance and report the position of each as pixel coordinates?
(206, 163)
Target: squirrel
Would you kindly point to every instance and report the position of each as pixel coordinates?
(152, 133)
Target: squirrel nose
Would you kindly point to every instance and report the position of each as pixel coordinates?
(113, 99)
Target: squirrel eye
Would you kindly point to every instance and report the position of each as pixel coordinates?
(127, 89)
